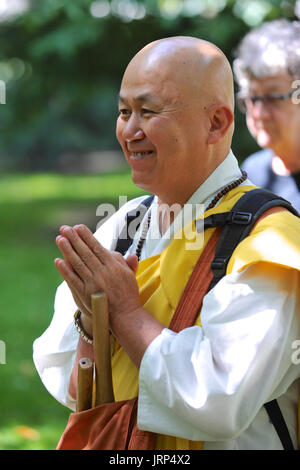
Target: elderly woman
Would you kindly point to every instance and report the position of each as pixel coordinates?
(267, 69)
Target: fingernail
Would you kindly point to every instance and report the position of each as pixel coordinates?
(68, 231)
(61, 240)
(79, 228)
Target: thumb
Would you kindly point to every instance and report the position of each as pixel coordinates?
(133, 262)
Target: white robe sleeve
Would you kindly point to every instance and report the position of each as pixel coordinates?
(208, 383)
(55, 351)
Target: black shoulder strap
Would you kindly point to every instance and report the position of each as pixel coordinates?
(125, 239)
(239, 222)
(237, 225)
(277, 419)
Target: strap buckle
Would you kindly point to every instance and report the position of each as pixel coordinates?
(241, 218)
(218, 266)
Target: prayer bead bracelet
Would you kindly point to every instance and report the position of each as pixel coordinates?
(84, 335)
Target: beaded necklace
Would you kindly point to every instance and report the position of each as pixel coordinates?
(218, 196)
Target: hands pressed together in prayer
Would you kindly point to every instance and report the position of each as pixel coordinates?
(88, 268)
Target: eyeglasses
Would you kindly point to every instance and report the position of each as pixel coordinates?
(273, 99)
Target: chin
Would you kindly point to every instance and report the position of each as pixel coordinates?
(140, 181)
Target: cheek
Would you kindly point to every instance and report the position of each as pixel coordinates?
(119, 130)
(164, 134)
(288, 122)
(119, 135)
(295, 123)
(158, 134)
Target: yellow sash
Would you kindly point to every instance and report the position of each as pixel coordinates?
(162, 279)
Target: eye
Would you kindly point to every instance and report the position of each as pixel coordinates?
(147, 111)
(124, 111)
(254, 99)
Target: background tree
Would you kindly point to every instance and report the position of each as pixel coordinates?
(62, 63)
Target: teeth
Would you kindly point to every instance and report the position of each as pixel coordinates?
(140, 154)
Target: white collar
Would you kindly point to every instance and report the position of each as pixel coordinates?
(224, 174)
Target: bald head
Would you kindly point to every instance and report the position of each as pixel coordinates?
(193, 63)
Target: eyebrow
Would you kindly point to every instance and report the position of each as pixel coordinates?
(145, 97)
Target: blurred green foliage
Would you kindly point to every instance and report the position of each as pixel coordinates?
(62, 64)
(32, 207)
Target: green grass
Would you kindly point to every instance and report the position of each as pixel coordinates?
(32, 208)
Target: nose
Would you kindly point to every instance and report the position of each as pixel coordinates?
(132, 130)
(138, 135)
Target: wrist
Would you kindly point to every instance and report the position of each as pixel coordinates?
(87, 323)
(84, 326)
(134, 331)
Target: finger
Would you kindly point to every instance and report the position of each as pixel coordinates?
(86, 235)
(71, 278)
(74, 282)
(132, 261)
(73, 259)
(82, 249)
(85, 309)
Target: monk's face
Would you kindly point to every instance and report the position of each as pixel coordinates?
(162, 127)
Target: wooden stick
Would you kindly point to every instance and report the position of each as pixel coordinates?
(84, 384)
(102, 350)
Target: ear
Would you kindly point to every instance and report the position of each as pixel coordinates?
(221, 118)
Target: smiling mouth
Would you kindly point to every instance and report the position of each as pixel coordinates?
(140, 155)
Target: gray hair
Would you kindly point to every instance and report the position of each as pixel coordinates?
(268, 50)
